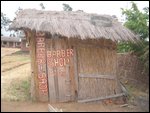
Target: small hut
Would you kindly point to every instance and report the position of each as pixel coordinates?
(24, 44)
(11, 42)
(73, 54)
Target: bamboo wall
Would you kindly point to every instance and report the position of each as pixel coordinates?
(130, 70)
(97, 69)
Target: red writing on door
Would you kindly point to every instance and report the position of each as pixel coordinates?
(59, 57)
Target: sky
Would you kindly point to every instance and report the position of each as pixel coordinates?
(100, 7)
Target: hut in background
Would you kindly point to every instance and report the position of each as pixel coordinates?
(73, 54)
(24, 44)
(11, 42)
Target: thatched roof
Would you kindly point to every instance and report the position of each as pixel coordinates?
(10, 39)
(72, 24)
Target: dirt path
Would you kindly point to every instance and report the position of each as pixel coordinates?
(8, 51)
(28, 106)
(23, 107)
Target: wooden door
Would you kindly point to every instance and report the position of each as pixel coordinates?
(59, 69)
(97, 77)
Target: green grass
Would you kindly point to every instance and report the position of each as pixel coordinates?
(21, 53)
(17, 75)
(20, 90)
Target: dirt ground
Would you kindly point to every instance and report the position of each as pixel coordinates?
(15, 90)
(7, 51)
(29, 106)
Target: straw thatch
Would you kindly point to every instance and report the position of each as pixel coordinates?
(72, 24)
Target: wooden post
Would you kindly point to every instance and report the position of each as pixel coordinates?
(34, 82)
(101, 98)
(41, 66)
(118, 85)
(7, 44)
(36, 76)
(56, 84)
(76, 71)
(68, 83)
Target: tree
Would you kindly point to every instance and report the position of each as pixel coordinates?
(18, 10)
(42, 5)
(66, 7)
(18, 32)
(137, 22)
(5, 21)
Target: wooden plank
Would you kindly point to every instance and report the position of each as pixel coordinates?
(34, 80)
(101, 98)
(68, 84)
(96, 76)
(61, 83)
(56, 84)
(52, 109)
(41, 63)
(76, 70)
(61, 71)
(52, 92)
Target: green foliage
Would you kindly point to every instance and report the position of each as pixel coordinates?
(66, 7)
(145, 58)
(124, 47)
(138, 22)
(20, 91)
(4, 20)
